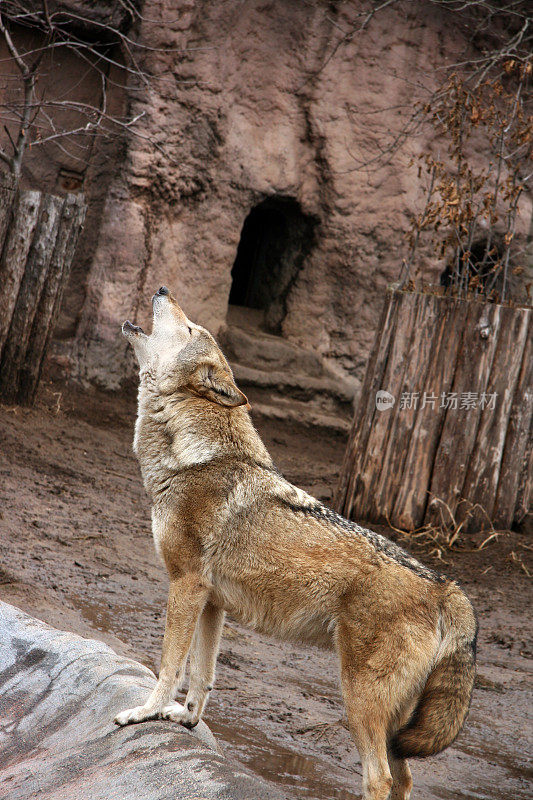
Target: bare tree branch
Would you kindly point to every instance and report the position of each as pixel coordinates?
(37, 117)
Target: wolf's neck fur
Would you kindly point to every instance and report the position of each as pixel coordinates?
(178, 431)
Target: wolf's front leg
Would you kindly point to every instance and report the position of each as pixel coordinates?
(204, 651)
(186, 598)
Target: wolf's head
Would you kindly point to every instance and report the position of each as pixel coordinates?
(180, 357)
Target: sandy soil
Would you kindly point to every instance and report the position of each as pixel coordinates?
(76, 551)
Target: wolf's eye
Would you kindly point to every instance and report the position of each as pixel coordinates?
(189, 329)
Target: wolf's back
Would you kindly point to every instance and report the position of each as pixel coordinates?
(445, 699)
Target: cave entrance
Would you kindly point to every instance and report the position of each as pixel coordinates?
(276, 237)
(479, 269)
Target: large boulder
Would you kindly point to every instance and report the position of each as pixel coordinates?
(59, 694)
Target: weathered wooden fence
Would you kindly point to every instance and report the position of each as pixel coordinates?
(38, 237)
(443, 432)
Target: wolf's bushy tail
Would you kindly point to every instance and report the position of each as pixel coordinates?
(444, 702)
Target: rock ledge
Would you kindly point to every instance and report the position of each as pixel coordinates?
(59, 694)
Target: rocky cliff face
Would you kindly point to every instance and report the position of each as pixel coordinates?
(259, 101)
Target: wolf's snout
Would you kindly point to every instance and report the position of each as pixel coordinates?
(161, 293)
(128, 327)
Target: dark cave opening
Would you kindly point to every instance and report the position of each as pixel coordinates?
(275, 240)
(480, 267)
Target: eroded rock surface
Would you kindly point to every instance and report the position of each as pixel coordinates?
(59, 694)
(262, 172)
(292, 105)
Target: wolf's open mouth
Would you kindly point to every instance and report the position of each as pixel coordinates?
(128, 327)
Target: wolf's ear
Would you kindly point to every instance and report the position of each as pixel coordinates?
(216, 384)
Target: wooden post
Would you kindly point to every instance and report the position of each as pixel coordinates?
(8, 190)
(45, 319)
(494, 433)
(14, 255)
(411, 498)
(41, 233)
(455, 436)
(518, 450)
(29, 295)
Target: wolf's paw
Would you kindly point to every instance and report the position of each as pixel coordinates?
(178, 713)
(137, 714)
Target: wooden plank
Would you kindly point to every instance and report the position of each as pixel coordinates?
(364, 414)
(29, 294)
(524, 495)
(14, 255)
(45, 319)
(517, 439)
(473, 365)
(357, 485)
(342, 497)
(8, 193)
(481, 482)
(418, 359)
(412, 483)
(384, 421)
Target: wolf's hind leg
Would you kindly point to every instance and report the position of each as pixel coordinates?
(367, 702)
(401, 776)
(186, 598)
(369, 733)
(203, 656)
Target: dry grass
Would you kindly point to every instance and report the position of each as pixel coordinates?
(446, 533)
(517, 559)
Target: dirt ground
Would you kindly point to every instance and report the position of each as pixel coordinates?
(76, 551)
